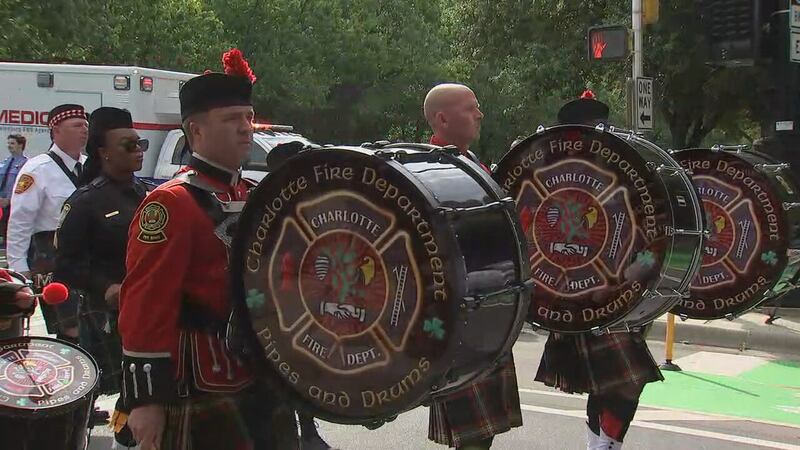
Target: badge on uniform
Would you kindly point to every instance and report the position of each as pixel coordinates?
(24, 183)
(152, 222)
(64, 211)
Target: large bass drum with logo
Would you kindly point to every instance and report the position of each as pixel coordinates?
(613, 225)
(371, 279)
(752, 209)
(47, 389)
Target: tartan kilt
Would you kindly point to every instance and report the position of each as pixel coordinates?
(240, 421)
(586, 363)
(477, 411)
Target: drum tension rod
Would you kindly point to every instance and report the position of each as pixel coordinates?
(473, 302)
(790, 205)
(504, 203)
(736, 148)
(772, 167)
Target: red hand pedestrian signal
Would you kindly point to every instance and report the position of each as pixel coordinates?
(608, 43)
(598, 45)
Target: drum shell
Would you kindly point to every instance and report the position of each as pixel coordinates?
(485, 267)
(455, 192)
(683, 252)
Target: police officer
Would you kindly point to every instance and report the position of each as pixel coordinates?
(470, 417)
(93, 235)
(184, 387)
(9, 169)
(43, 184)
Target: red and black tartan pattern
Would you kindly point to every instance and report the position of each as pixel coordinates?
(478, 411)
(222, 422)
(592, 364)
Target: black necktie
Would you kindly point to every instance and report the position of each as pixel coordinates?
(78, 169)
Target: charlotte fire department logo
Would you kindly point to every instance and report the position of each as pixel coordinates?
(746, 249)
(588, 208)
(152, 222)
(343, 275)
(342, 285)
(734, 233)
(38, 373)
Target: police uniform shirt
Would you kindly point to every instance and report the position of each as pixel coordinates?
(93, 235)
(9, 169)
(40, 191)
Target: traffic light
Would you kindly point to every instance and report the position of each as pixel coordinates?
(650, 10)
(735, 30)
(608, 43)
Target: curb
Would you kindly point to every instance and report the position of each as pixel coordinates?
(767, 338)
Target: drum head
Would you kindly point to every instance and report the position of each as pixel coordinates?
(746, 251)
(593, 214)
(43, 375)
(340, 265)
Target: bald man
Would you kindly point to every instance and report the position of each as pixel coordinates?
(469, 418)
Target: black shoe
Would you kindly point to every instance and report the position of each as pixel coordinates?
(314, 442)
(99, 417)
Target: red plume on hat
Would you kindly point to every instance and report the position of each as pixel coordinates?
(235, 65)
(588, 95)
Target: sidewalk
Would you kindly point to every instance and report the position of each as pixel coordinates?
(746, 332)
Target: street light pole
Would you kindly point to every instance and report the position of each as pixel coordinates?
(636, 20)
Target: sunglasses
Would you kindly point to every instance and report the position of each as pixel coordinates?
(131, 146)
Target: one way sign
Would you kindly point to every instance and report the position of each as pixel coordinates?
(643, 113)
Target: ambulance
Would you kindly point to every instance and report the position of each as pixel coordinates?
(28, 91)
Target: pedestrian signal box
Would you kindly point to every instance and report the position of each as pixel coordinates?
(608, 43)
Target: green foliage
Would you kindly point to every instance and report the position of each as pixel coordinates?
(348, 71)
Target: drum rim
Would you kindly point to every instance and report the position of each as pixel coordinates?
(56, 410)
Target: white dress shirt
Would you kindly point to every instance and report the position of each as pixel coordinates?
(38, 207)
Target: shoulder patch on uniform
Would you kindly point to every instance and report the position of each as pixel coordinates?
(24, 183)
(152, 222)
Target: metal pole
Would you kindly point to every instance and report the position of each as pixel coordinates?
(636, 20)
(637, 38)
(670, 342)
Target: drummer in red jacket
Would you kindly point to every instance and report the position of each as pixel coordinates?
(470, 417)
(612, 368)
(184, 387)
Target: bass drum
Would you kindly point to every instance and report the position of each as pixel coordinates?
(613, 225)
(753, 251)
(47, 389)
(370, 280)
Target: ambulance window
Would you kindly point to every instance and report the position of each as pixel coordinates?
(179, 157)
(257, 154)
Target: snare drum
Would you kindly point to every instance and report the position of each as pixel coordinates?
(613, 224)
(371, 279)
(46, 392)
(752, 209)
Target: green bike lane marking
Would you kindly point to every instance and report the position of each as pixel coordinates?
(769, 392)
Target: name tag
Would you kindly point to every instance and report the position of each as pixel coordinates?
(112, 214)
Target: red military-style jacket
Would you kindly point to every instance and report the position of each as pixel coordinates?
(175, 299)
